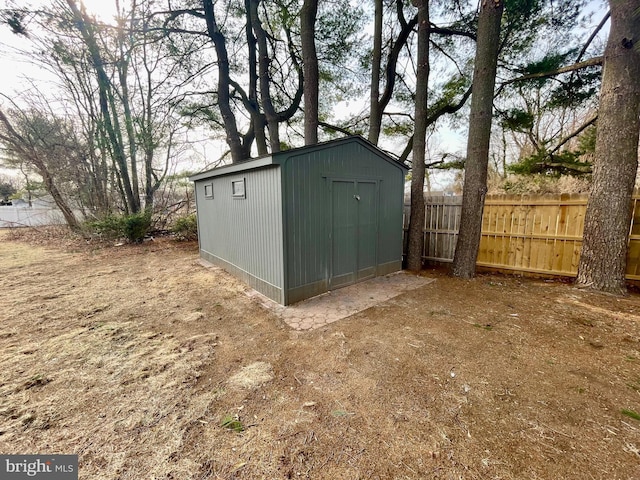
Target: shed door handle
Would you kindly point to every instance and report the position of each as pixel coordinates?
(357, 197)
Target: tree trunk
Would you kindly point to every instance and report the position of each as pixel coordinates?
(122, 65)
(273, 123)
(60, 202)
(375, 113)
(416, 218)
(310, 70)
(608, 218)
(257, 118)
(475, 171)
(116, 144)
(390, 73)
(224, 97)
(131, 134)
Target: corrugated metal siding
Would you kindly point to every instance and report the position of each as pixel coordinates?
(307, 206)
(246, 233)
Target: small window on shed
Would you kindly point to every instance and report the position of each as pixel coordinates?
(237, 188)
(208, 190)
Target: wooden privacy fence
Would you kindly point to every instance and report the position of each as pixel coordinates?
(523, 233)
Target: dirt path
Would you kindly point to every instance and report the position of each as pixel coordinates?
(132, 357)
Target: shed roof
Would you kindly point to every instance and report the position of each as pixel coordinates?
(280, 157)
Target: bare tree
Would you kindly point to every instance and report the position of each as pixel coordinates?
(46, 145)
(108, 107)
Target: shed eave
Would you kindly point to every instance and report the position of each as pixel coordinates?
(235, 168)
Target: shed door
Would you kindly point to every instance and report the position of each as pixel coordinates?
(354, 231)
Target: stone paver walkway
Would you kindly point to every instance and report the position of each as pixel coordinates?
(330, 307)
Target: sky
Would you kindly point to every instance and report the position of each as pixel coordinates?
(18, 75)
(16, 71)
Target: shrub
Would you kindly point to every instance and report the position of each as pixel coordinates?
(109, 227)
(132, 227)
(186, 228)
(136, 226)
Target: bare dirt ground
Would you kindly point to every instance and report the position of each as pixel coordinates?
(133, 357)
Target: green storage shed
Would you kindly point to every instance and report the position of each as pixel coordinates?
(301, 222)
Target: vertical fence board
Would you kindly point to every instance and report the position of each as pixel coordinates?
(633, 255)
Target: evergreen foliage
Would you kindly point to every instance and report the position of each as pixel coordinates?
(132, 227)
(186, 228)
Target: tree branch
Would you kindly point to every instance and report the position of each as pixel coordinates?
(431, 119)
(563, 167)
(592, 36)
(575, 133)
(407, 150)
(451, 32)
(167, 30)
(569, 68)
(392, 60)
(400, 14)
(433, 164)
(334, 128)
(449, 108)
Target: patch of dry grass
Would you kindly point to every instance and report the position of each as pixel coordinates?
(132, 357)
